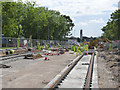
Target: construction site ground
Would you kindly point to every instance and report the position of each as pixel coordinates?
(37, 73)
(29, 73)
(108, 69)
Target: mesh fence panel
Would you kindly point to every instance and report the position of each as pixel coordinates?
(12, 42)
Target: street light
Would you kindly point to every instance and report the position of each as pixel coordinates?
(0, 24)
(37, 28)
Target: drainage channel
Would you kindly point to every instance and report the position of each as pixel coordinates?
(78, 74)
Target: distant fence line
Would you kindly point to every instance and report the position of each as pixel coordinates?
(26, 42)
(12, 42)
(114, 44)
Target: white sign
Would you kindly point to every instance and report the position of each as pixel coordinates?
(25, 42)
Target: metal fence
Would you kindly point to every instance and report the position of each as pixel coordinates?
(114, 44)
(12, 42)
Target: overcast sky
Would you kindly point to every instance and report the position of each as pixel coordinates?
(88, 15)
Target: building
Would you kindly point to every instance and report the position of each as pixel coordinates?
(72, 40)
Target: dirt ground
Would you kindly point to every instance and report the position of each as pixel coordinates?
(108, 69)
(36, 74)
(28, 73)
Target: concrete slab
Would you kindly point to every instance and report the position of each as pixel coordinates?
(76, 77)
(95, 74)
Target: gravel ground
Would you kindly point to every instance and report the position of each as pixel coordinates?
(26, 73)
(107, 70)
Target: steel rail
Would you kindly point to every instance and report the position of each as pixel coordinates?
(2, 58)
(89, 73)
(12, 56)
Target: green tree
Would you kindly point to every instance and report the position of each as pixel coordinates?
(112, 29)
(28, 19)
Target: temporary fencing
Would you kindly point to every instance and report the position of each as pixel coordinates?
(114, 44)
(25, 42)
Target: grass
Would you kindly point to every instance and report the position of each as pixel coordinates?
(8, 47)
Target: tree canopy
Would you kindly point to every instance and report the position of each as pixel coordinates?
(112, 28)
(28, 19)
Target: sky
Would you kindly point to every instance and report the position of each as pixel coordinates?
(88, 15)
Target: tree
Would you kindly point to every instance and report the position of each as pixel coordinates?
(112, 29)
(11, 18)
(28, 19)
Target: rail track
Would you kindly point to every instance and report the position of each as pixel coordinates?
(77, 74)
(9, 58)
(14, 57)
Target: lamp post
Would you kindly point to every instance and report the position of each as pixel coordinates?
(0, 24)
(37, 36)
